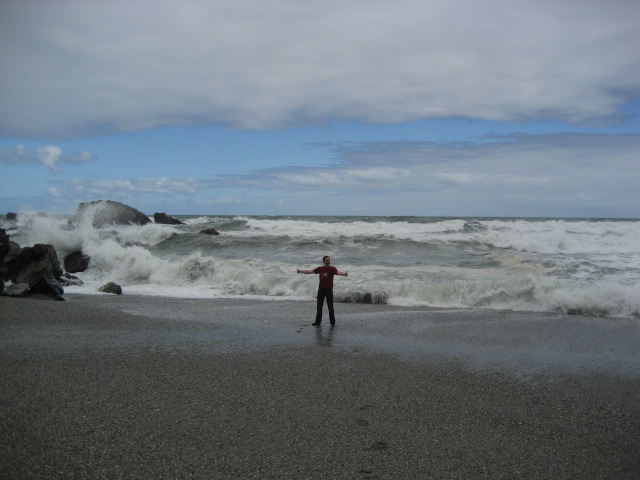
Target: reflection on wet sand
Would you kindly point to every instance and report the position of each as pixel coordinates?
(324, 337)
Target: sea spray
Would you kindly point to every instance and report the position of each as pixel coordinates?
(586, 267)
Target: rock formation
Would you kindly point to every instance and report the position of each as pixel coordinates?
(111, 287)
(35, 270)
(4, 249)
(31, 270)
(108, 212)
(209, 231)
(76, 262)
(166, 219)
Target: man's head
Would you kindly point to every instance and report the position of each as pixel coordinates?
(326, 260)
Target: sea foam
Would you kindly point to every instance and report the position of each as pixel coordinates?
(585, 267)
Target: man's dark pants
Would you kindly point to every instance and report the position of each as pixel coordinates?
(328, 294)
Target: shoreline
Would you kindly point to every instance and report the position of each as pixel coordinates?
(123, 386)
(521, 344)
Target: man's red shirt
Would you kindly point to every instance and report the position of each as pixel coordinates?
(326, 275)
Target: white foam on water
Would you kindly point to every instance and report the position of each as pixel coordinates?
(581, 267)
(313, 229)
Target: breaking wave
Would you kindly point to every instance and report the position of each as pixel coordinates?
(582, 267)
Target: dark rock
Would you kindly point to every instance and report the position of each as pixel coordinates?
(166, 219)
(16, 290)
(32, 263)
(4, 243)
(107, 212)
(8, 250)
(47, 286)
(209, 231)
(4, 249)
(111, 287)
(76, 262)
(12, 216)
(31, 270)
(44, 285)
(367, 297)
(474, 226)
(68, 280)
(14, 249)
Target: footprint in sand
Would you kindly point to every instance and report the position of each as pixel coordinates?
(367, 474)
(379, 445)
(362, 423)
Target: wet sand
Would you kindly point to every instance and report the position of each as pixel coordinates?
(136, 387)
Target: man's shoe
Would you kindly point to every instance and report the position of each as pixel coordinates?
(316, 324)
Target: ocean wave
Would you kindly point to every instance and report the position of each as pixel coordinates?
(198, 220)
(202, 276)
(576, 267)
(527, 294)
(547, 237)
(530, 291)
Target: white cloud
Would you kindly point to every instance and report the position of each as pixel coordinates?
(82, 190)
(564, 173)
(94, 67)
(50, 156)
(328, 178)
(457, 178)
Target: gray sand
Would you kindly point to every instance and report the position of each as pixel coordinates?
(131, 387)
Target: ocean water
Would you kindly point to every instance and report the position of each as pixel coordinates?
(582, 267)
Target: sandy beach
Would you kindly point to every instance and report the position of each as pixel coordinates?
(137, 387)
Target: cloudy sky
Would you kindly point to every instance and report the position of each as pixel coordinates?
(360, 107)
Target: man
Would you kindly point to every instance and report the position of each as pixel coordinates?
(325, 288)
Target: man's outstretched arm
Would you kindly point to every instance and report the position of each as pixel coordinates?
(343, 274)
(305, 271)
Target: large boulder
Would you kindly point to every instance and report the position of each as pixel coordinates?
(33, 262)
(70, 280)
(4, 243)
(14, 249)
(111, 287)
(37, 268)
(16, 290)
(47, 286)
(4, 249)
(76, 262)
(8, 250)
(166, 219)
(108, 212)
(209, 231)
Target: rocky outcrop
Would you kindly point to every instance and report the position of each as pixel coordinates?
(209, 231)
(4, 249)
(8, 250)
(76, 262)
(16, 290)
(68, 279)
(473, 226)
(111, 287)
(40, 258)
(12, 216)
(31, 270)
(165, 219)
(107, 212)
(35, 270)
(47, 286)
